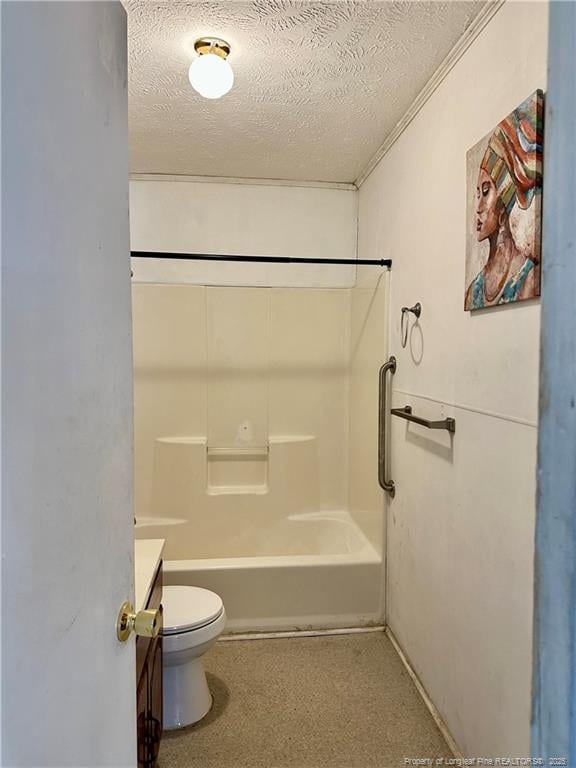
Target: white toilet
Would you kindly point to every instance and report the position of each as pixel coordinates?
(193, 619)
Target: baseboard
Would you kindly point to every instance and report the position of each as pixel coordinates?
(454, 748)
(299, 633)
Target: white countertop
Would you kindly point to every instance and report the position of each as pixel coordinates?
(147, 556)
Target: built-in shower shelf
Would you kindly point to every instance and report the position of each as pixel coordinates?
(240, 452)
(236, 490)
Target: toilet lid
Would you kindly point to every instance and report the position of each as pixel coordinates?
(187, 608)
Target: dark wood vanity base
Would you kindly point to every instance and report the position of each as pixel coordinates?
(149, 685)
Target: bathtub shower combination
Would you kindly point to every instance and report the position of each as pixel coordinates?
(255, 435)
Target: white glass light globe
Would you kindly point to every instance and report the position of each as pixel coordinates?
(211, 76)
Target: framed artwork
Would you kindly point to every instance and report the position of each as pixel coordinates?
(503, 209)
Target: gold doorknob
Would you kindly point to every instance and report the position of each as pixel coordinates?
(144, 623)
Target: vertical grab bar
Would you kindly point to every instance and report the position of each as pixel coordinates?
(387, 485)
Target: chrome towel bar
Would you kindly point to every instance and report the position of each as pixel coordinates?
(406, 413)
(387, 485)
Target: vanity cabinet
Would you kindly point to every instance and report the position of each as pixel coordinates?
(149, 685)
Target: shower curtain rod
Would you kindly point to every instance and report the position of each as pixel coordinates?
(258, 259)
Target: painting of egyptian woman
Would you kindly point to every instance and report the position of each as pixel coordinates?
(504, 188)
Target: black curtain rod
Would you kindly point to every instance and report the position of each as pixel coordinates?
(259, 259)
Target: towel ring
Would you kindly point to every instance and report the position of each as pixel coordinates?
(416, 311)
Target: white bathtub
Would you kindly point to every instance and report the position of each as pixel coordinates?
(247, 525)
(339, 585)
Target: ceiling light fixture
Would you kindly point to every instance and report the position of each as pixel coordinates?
(210, 74)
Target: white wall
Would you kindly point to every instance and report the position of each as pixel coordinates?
(462, 524)
(243, 219)
(69, 687)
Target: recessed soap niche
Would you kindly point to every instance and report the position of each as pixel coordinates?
(237, 470)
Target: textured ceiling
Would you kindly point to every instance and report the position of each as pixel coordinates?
(319, 85)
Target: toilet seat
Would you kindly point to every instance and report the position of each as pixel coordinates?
(189, 608)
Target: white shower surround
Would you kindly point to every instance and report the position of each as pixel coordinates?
(300, 545)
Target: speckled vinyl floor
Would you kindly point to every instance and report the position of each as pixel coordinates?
(343, 701)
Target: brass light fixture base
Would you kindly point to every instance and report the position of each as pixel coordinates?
(212, 45)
